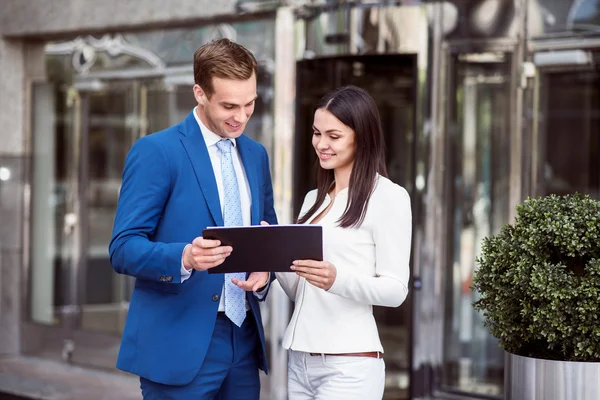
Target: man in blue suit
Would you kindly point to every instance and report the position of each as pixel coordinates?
(190, 334)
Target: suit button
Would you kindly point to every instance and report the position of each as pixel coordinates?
(216, 297)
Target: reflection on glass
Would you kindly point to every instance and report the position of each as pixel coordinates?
(109, 129)
(159, 48)
(478, 19)
(572, 133)
(479, 128)
(114, 118)
(563, 17)
(52, 226)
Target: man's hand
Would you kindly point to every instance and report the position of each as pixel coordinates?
(204, 254)
(255, 281)
(321, 274)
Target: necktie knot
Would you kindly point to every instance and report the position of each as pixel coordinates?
(224, 146)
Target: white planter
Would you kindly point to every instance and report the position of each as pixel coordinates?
(536, 379)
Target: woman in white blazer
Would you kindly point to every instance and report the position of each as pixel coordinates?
(334, 346)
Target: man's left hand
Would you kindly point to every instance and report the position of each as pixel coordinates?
(255, 281)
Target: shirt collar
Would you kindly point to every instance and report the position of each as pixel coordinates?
(210, 138)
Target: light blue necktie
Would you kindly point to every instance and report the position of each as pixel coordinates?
(235, 297)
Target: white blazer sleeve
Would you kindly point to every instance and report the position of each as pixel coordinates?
(289, 280)
(392, 231)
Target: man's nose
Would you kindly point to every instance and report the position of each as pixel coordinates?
(241, 116)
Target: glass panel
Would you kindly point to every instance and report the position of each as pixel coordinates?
(55, 242)
(110, 126)
(156, 48)
(467, 20)
(572, 132)
(564, 17)
(479, 159)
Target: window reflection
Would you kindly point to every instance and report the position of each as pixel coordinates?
(561, 17)
(479, 128)
(572, 133)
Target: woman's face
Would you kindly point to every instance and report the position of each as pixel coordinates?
(333, 141)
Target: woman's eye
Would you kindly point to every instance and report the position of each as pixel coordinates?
(316, 134)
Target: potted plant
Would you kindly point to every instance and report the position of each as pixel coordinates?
(538, 286)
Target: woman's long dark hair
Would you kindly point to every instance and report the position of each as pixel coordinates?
(355, 108)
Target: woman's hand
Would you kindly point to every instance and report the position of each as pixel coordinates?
(321, 274)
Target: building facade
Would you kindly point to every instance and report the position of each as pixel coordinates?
(483, 103)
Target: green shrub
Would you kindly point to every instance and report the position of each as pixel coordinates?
(539, 280)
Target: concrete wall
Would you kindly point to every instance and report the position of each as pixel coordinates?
(44, 17)
(12, 105)
(20, 63)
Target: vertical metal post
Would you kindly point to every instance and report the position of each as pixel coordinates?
(517, 136)
(285, 94)
(517, 92)
(428, 317)
(284, 100)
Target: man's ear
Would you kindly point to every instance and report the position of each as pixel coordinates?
(199, 95)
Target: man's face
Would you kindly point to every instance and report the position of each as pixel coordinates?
(228, 109)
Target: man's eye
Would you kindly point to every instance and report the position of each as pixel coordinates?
(228, 107)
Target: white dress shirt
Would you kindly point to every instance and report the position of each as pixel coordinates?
(211, 139)
(372, 263)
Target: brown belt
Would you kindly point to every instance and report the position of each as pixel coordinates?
(372, 354)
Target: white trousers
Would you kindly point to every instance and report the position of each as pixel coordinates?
(334, 377)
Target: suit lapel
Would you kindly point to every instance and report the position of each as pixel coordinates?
(249, 161)
(195, 147)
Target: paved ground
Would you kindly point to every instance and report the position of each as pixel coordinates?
(35, 378)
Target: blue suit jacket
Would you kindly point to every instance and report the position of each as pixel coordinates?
(168, 196)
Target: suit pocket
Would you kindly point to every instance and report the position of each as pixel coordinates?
(159, 286)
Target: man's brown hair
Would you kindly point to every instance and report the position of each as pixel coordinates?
(222, 58)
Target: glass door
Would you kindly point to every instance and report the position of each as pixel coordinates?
(55, 206)
(391, 80)
(569, 129)
(113, 119)
(478, 130)
(110, 125)
(82, 134)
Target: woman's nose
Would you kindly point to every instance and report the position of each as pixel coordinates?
(322, 144)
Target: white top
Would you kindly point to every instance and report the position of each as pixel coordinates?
(211, 139)
(372, 263)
